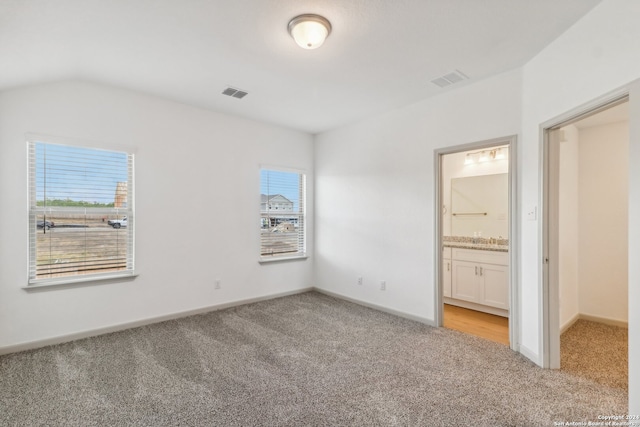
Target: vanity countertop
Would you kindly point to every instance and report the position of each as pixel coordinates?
(477, 246)
(483, 244)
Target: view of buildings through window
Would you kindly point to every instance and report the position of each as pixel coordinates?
(282, 220)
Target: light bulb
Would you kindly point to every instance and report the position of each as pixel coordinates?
(309, 31)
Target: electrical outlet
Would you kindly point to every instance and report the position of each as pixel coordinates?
(217, 286)
(383, 285)
(360, 281)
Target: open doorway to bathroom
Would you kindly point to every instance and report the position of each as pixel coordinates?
(476, 198)
(586, 194)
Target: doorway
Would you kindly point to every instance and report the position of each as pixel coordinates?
(475, 233)
(586, 241)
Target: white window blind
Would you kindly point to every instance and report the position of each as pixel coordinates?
(80, 213)
(282, 214)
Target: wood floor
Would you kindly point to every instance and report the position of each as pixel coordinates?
(484, 325)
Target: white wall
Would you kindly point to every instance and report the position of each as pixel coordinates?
(375, 192)
(594, 57)
(197, 206)
(593, 215)
(568, 225)
(453, 167)
(603, 221)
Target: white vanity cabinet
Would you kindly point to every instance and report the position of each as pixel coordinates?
(481, 278)
(446, 272)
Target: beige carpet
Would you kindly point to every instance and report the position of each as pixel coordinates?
(303, 360)
(596, 352)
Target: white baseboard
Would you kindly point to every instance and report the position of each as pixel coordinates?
(30, 345)
(604, 320)
(569, 323)
(378, 307)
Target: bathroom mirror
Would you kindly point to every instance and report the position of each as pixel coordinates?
(480, 204)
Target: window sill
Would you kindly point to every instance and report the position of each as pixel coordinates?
(86, 280)
(267, 260)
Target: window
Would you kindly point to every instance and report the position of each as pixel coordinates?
(80, 213)
(282, 233)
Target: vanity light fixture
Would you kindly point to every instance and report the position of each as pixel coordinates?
(468, 159)
(309, 30)
(484, 156)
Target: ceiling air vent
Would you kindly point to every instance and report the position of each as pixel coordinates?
(449, 79)
(234, 93)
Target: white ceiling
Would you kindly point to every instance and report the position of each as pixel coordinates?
(382, 54)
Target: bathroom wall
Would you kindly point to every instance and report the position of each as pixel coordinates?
(453, 166)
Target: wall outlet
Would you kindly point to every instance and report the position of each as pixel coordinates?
(383, 285)
(217, 285)
(532, 213)
(360, 281)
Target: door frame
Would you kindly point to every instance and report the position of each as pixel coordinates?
(549, 248)
(514, 304)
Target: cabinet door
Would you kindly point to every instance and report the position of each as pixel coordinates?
(464, 283)
(495, 285)
(446, 278)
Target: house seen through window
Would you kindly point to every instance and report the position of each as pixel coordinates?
(282, 214)
(80, 212)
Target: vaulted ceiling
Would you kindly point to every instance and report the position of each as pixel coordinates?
(381, 54)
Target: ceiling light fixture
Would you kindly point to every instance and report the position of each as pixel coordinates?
(309, 30)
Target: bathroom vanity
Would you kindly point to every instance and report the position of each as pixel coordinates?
(476, 276)
(475, 270)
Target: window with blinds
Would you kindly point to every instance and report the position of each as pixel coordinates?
(80, 213)
(282, 214)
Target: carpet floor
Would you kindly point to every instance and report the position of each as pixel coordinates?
(596, 352)
(302, 360)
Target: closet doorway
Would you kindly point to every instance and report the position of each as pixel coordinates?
(475, 196)
(586, 241)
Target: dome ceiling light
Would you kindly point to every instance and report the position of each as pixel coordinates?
(309, 30)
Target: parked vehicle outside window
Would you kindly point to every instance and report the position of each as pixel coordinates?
(45, 224)
(117, 223)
